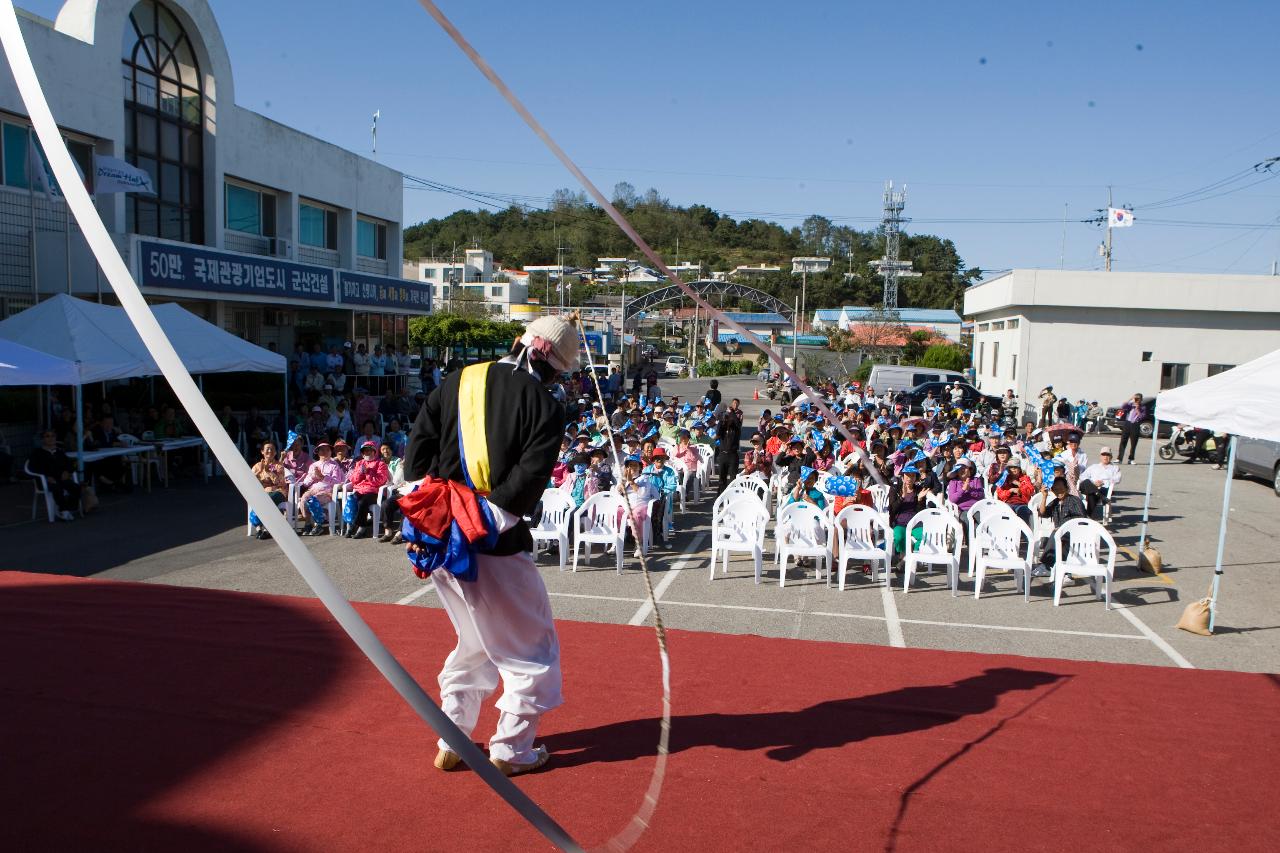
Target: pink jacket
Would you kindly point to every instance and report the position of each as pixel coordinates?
(369, 476)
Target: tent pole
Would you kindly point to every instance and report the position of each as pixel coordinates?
(284, 413)
(80, 430)
(204, 448)
(1151, 470)
(1222, 533)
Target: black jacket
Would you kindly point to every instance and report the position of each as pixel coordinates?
(523, 427)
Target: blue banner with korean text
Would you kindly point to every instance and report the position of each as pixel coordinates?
(383, 292)
(197, 268)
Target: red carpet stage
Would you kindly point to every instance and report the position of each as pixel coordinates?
(140, 717)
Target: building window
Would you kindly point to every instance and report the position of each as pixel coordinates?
(14, 162)
(997, 326)
(164, 124)
(995, 358)
(428, 272)
(371, 239)
(317, 226)
(1215, 369)
(444, 291)
(1013, 367)
(984, 327)
(982, 352)
(495, 292)
(1172, 375)
(1146, 356)
(249, 211)
(1012, 324)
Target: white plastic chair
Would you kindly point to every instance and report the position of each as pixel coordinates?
(936, 528)
(682, 477)
(1002, 548)
(978, 513)
(1083, 557)
(554, 525)
(752, 483)
(802, 516)
(599, 521)
(739, 526)
(859, 527)
(41, 483)
(879, 498)
(733, 493)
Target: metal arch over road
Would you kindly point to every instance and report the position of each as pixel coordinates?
(707, 288)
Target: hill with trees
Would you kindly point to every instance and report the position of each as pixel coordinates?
(520, 236)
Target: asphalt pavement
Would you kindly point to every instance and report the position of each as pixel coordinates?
(193, 534)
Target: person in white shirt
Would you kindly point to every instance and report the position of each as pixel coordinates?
(1075, 460)
(1097, 478)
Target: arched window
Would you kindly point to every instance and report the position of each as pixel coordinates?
(164, 118)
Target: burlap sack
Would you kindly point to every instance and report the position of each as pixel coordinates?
(1195, 617)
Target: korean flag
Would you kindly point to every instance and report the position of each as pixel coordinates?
(1118, 217)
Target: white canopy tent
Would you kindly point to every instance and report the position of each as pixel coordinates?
(100, 343)
(21, 365)
(1242, 401)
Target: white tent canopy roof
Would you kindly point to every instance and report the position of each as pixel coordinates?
(106, 346)
(1244, 400)
(21, 365)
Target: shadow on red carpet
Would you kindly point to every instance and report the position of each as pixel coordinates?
(142, 717)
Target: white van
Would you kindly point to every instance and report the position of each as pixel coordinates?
(901, 377)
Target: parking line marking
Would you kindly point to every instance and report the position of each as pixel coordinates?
(427, 587)
(646, 607)
(594, 597)
(1161, 642)
(891, 620)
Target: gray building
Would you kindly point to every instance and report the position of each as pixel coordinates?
(271, 233)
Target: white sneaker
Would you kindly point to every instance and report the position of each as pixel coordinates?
(66, 516)
(1131, 462)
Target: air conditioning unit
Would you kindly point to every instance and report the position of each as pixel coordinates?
(281, 248)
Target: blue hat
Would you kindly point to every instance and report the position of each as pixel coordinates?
(634, 457)
(626, 426)
(686, 408)
(805, 472)
(910, 469)
(291, 438)
(819, 442)
(777, 417)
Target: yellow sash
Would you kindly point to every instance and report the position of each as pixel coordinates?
(472, 438)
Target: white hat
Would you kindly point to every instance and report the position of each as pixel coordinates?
(561, 339)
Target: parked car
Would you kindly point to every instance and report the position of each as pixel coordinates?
(898, 377)
(648, 351)
(676, 365)
(1111, 421)
(914, 398)
(1258, 457)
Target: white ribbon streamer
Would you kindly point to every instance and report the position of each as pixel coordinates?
(225, 451)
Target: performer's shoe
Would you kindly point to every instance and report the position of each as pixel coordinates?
(508, 768)
(447, 759)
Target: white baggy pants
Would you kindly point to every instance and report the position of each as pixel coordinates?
(504, 626)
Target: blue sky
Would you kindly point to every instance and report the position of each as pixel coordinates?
(985, 110)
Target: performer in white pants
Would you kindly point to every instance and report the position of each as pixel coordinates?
(503, 620)
(496, 429)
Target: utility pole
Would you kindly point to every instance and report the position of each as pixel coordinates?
(1108, 251)
(795, 335)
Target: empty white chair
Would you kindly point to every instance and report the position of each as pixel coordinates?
(940, 541)
(554, 525)
(731, 494)
(599, 521)
(739, 526)
(860, 528)
(1082, 557)
(754, 483)
(1002, 547)
(879, 497)
(979, 513)
(803, 531)
(682, 479)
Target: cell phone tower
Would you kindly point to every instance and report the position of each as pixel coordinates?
(889, 266)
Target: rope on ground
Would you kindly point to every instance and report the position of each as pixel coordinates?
(640, 820)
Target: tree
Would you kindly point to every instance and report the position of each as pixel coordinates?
(917, 343)
(624, 195)
(467, 303)
(947, 357)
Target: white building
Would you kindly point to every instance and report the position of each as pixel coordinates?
(475, 273)
(270, 233)
(810, 265)
(942, 321)
(1107, 335)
